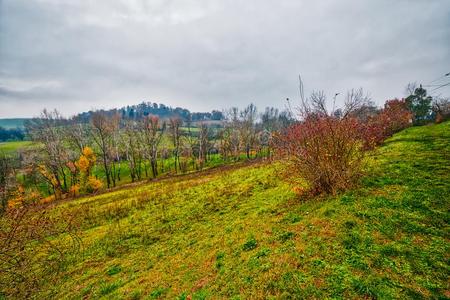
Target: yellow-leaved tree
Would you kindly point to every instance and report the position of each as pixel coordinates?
(85, 164)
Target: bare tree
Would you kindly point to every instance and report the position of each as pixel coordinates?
(76, 135)
(223, 144)
(316, 104)
(132, 146)
(441, 108)
(48, 130)
(271, 122)
(103, 130)
(411, 88)
(153, 133)
(203, 144)
(366, 111)
(175, 134)
(76, 138)
(354, 101)
(247, 128)
(230, 135)
(191, 142)
(270, 119)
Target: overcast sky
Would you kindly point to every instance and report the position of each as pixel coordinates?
(77, 55)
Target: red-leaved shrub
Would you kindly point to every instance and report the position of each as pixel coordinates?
(326, 148)
(394, 117)
(326, 151)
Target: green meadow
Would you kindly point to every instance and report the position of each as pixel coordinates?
(11, 147)
(240, 232)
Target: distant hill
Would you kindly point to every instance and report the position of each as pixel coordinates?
(163, 111)
(135, 112)
(13, 123)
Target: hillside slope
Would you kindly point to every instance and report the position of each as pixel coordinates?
(245, 234)
(13, 123)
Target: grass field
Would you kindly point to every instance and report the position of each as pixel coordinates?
(10, 147)
(243, 233)
(165, 167)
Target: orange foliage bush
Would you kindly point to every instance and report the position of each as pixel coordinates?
(21, 197)
(83, 164)
(74, 190)
(93, 184)
(86, 161)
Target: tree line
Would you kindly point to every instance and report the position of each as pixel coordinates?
(161, 110)
(72, 157)
(12, 134)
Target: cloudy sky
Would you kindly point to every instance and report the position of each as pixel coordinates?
(75, 55)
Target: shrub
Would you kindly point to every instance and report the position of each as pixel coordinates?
(29, 254)
(394, 117)
(441, 109)
(74, 190)
(326, 151)
(398, 116)
(93, 184)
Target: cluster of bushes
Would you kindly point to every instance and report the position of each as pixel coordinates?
(326, 148)
(394, 117)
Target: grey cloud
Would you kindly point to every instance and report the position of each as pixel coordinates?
(213, 54)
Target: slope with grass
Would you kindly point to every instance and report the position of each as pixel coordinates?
(13, 147)
(245, 234)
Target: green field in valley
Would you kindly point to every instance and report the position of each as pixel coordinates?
(242, 233)
(10, 147)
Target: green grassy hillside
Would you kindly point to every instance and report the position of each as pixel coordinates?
(243, 233)
(11, 147)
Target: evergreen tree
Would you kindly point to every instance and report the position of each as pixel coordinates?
(420, 105)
